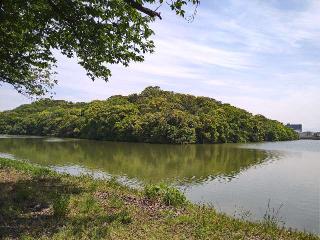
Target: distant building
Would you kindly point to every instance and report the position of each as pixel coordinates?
(310, 135)
(296, 127)
(306, 134)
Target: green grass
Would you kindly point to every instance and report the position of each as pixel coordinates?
(36, 203)
(60, 206)
(25, 167)
(166, 194)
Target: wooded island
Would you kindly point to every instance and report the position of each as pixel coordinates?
(153, 116)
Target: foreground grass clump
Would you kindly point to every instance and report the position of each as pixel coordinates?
(36, 203)
(168, 195)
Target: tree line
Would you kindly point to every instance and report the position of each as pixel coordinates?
(153, 116)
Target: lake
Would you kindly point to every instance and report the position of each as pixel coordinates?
(242, 180)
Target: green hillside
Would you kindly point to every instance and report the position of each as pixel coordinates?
(154, 116)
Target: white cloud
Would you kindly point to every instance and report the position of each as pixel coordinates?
(261, 27)
(193, 53)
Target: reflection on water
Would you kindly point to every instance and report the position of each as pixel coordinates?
(145, 162)
(229, 176)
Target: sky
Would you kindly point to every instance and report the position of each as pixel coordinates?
(260, 55)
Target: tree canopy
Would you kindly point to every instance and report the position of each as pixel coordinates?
(97, 32)
(153, 116)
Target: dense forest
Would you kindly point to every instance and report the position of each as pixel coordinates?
(153, 116)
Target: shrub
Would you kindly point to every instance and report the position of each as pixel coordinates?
(168, 195)
(173, 197)
(152, 191)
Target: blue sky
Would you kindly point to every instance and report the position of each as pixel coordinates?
(260, 55)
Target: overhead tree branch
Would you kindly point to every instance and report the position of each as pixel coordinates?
(143, 9)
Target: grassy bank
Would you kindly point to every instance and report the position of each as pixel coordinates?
(38, 203)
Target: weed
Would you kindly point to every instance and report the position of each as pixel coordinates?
(60, 206)
(203, 223)
(242, 213)
(173, 197)
(97, 232)
(116, 202)
(152, 191)
(124, 217)
(88, 205)
(272, 216)
(113, 182)
(168, 195)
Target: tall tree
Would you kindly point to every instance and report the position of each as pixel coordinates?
(97, 32)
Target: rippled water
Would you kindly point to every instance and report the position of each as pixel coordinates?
(239, 179)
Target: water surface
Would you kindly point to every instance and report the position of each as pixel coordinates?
(239, 179)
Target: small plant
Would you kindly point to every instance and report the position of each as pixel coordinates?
(173, 197)
(272, 216)
(152, 191)
(203, 221)
(60, 206)
(242, 213)
(88, 204)
(168, 195)
(116, 202)
(124, 217)
(96, 232)
(113, 182)
(25, 237)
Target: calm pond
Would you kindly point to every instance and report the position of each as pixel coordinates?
(238, 179)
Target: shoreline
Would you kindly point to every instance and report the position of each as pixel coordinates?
(4, 135)
(82, 207)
